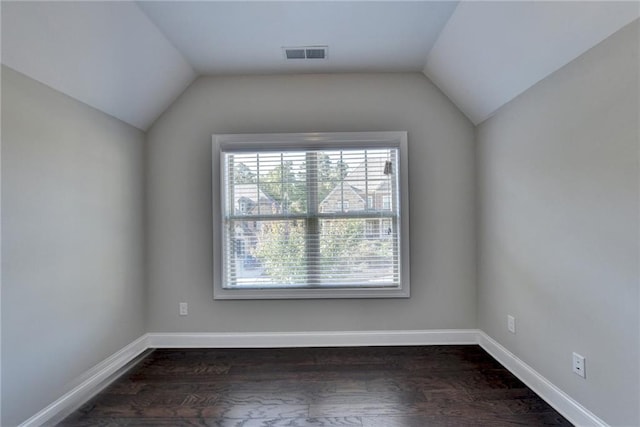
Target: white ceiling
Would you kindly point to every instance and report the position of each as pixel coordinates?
(108, 55)
(131, 60)
(247, 38)
(490, 52)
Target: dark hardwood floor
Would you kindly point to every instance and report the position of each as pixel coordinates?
(365, 387)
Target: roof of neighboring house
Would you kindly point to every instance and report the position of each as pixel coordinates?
(251, 192)
(358, 192)
(362, 177)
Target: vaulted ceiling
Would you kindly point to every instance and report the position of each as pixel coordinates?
(132, 59)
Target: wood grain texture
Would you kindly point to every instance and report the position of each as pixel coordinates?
(318, 387)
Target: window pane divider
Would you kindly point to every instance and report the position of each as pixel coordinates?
(302, 217)
(312, 222)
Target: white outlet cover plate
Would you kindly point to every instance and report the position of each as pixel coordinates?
(578, 365)
(511, 324)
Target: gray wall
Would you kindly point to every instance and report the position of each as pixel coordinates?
(557, 184)
(441, 194)
(72, 242)
(558, 227)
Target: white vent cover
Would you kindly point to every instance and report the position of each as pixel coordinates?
(305, 52)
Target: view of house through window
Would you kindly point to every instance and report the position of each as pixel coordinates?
(299, 218)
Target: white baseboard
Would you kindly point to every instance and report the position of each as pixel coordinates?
(312, 339)
(95, 379)
(555, 397)
(90, 383)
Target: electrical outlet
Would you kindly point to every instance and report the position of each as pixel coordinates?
(578, 365)
(511, 324)
(184, 309)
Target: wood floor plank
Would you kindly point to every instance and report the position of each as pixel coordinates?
(221, 422)
(459, 385)
(430, 408)
(289, 422)
(422, 421)
(463, 421)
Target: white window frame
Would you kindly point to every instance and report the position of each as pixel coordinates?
(322, 141)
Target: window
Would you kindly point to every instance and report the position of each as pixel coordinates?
(386, 203)
(294, 215)
(345, 205)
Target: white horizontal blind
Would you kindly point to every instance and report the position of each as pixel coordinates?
(299, 218)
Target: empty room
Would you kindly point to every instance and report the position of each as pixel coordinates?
(320, 213)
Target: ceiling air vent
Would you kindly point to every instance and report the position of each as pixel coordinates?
(305, 52)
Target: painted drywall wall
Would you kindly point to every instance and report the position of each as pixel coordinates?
(558, 227)
(73, 243)
(441, 194)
